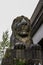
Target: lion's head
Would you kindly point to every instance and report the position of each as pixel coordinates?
(21, 28)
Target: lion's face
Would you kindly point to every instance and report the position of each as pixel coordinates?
(21, 29)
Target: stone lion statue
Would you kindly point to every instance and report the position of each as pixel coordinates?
(22, 48)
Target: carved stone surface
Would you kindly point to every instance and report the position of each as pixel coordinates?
(22, 47)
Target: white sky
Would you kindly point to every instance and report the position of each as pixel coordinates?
(9, 9)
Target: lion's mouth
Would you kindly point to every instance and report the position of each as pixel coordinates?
(23, 34)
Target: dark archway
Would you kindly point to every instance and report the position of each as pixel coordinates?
(41, 44)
